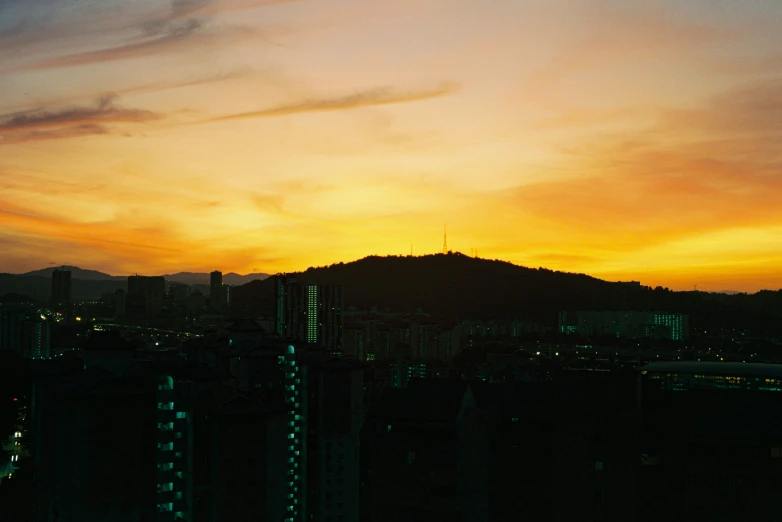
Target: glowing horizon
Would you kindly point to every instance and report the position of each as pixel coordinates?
(626, 140)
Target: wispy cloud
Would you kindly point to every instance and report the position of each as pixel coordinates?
(162, 40)
(179, 26)
(163, 85)
(375, 97)
(67, 122)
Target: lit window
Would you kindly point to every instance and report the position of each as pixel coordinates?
(181, 414)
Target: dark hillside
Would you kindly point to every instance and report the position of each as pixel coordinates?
(458, 286)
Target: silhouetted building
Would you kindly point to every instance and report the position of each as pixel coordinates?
(196, 301)
(249, 462)
(215, 284)
(61, 292)
(310, 313)
(631, 325)
(119, 303)
(322, 400)
(711, 445)
(225, 297)
(334, 422)
(425, 455)
(147, 293)
(519, 422)
(111, 439)
(594, 446)
(179, 292)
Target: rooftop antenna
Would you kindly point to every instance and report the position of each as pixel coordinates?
(445, 241)
(411, 249)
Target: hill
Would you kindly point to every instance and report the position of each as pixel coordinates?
(76, 273)
(458, 286)
(202, 278)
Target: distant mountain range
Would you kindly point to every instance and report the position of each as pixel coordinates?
(91, 284)
(199, 278)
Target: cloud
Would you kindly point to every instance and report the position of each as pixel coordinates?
(183, 24)
(193, 81)
(57, 134)
(375, 97)
(68, 122)
(622, 35)
(696, 171)
(163, 39)
(125, 243)
(754, 109)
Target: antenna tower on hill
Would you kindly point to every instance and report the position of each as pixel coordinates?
(445, 241)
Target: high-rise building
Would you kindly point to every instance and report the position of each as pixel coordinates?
(119, 303)
(111, 439)
(310, 313)
(425, 455)
(225, 297)
(334, 422)
(24, 330)
(36, 338)
(61, 291)
(215, 284)
(322, 399)
(147, 292)
(179, 292)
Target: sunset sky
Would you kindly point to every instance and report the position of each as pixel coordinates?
(625, 139)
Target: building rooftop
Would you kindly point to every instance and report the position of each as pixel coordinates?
(716, 368)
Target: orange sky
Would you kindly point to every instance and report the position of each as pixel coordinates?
(625, 139)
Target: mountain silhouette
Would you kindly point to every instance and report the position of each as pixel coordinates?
(457, 286)
(76, 273)
(202, 278)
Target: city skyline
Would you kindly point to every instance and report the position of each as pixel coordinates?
(623, 140)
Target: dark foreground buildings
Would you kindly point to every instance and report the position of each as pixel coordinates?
(244, 426)
(711, 446)
(559, 450)
(248, 428)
